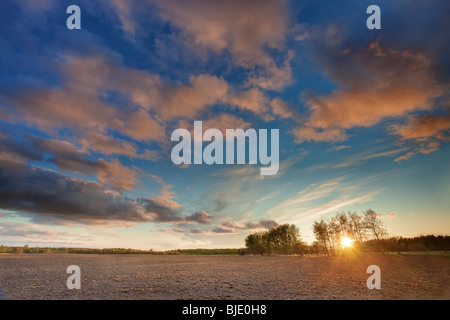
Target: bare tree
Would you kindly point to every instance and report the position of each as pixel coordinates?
(320, 230)
(356, 225)
(335, 232)
(375, 226)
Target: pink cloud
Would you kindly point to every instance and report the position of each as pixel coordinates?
(282, 109)
(424, 132)
(117, 175)
(375, 83)
(404, 157)
(391, 215)
(244, 28)
(420, 127)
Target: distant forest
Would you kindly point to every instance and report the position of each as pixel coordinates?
(28, 249)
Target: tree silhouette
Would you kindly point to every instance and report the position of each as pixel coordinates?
(284, 239)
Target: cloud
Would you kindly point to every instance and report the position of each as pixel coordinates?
(222, 122)
(205, 90)
(79, 103)
(196, 231)
(84, 106)
(312, 192)
(390, 215)
(425, 133)
(274, 77)
(226, 121)
(201, 217)
(162, 210)
(50, 196)
(51, 109)
(303, 134)
(117, 175)
(167, 101)
(124, 12)
(281, 109)
(254, 100)
(406, 156)
(339, 148)
(244, 29)
(332, 206)
(375, 83)
(419, 127)
(268, 224)
(165, 191)
(145, 89)
(362, 157)
(69, 157)
(100, 141)
(166, 210)
(264, 224)
(321, 198)
(45, 192)
(29, 230)
(234, 225)
(222, 230)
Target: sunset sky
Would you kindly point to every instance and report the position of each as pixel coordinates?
(86, 118)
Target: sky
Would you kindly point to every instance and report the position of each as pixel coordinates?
(86, 118)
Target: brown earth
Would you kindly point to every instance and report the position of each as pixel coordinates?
(43, 276)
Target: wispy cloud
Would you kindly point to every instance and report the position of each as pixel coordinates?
(332, 206)
(36, 232)
(424, 134)
(322, 198)
(264, 224)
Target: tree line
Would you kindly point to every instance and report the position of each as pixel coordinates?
(28, 249)
(420, 243)
(367, 232)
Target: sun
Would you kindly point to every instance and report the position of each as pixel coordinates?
(346, 242)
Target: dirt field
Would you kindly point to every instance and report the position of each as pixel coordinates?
(44, 276)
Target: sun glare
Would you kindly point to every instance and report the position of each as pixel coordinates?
(346, 242)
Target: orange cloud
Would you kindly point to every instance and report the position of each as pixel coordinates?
(118, 176)
(254, 100)
(69, 157)
(225, 121)
(188, 101)
(244, 28)
(283, 110)
(423, 127)
(375, 83)
(426, 132)
(312, 134)
(221, 122)
(101, 142)
(404, 157)
(92, 75)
